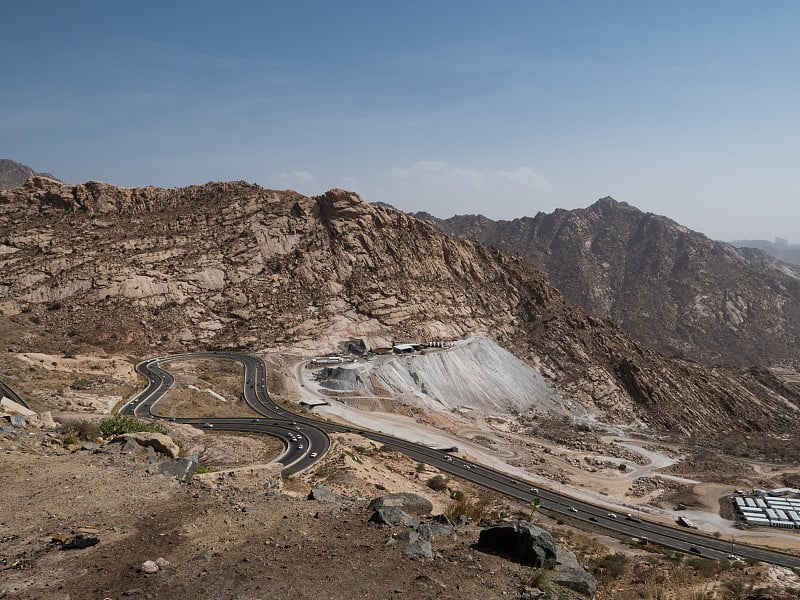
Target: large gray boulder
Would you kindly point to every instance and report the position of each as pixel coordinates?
(413, 504)
(571, 574)
(521, 542)
(393, 516)
(182, 469)
(322, 493)
(421, 548)
(159, 442)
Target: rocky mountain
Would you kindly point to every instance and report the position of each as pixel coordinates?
(14, 174)
(93, 267)
(780, 248)
(672, 288)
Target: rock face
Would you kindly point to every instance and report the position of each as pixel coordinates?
(392, 517)
(96, 267)
(527, 544)
(520, 542)
(670, 287)
(14, 174)
(571, 574)
(159, 442)
(413, 504)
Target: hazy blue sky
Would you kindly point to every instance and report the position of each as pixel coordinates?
(687, 109)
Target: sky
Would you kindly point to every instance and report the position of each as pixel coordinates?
(689, 109)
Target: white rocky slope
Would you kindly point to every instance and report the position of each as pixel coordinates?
(475, 374)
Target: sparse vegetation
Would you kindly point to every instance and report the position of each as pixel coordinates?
(474, 510)
(80, 430)
(437, 483)
(120, 424)
(537, 578)
(611, 566)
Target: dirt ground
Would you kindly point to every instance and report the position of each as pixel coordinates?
(234, 535)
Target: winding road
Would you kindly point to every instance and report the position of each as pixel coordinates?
(306, 441)
(7, 392)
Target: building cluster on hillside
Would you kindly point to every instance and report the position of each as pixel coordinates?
(762, 509)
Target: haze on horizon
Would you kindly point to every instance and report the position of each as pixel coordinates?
(684, 109)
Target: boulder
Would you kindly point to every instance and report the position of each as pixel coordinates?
(182, 469)
(425, 532)
(521, 542)
(392, 517)
(159, 442)
(412, 504)
(569, 573)
(322, 493)
(18, 421)
(443, 531)
(150, 567)
(420, 548)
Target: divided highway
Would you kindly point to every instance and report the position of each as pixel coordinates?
(306, 440)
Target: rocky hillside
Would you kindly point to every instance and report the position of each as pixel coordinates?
(670, 287)
(145, 271)
(14, 174)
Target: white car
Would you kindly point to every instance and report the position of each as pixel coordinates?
(572, 509)
(611, 516)
(300, 446)
(313, 455)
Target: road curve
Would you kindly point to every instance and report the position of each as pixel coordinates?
(283, 424)
(6, 391)
(304, 442)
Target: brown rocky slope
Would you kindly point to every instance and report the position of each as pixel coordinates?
(145, 271)
(672, 288)
(13, 174)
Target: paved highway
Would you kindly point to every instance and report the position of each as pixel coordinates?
(304, 442)
(280, 423)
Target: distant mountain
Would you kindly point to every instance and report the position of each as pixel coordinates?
(670, 287)
(96, 268)
(14, 174)
(780, 248)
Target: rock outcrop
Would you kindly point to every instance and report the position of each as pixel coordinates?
(520, 542)
(526, 544)
(413, 504)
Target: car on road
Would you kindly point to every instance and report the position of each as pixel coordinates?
(734, 557)
(300, 446)
(593, 519)
(572, 509)
(534, 490)
(313, 455)
(611, 516)
(208, 425)
(632, 519)
(694, 550)
(256, 420)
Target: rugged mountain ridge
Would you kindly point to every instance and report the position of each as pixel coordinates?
(146, 270)
(669, 286)
(14, 174)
